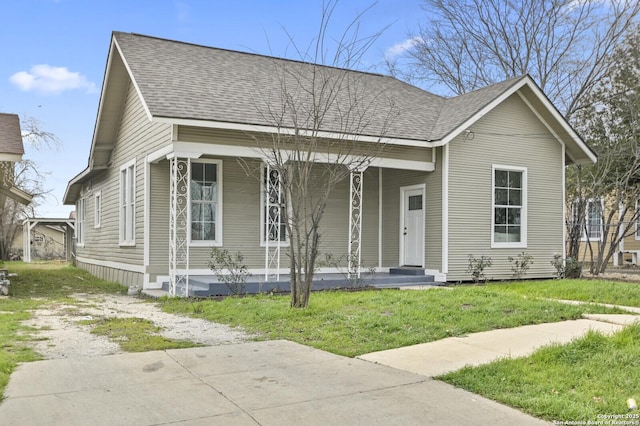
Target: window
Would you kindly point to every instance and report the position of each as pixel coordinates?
(98, 209)
(80, 217)
(206, 202)
(593, 221)
(509, 207)
(128, 204)
(272, 215)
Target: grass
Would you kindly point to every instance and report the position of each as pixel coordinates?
(576, 382)
(37, 285)
(590, 377)
(136, 334)
(55, 281)
(599, 291)
(354, 323)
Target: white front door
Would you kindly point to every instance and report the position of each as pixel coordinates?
(413, 227)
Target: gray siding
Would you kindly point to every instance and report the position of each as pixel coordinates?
(509, 135)
(241, 218)
(136, 137)
(433, 216)
(392, 181)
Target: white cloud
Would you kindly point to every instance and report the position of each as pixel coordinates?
(50, 80)
(399, 48)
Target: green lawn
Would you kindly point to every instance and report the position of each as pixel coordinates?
(354, 323)
(600, 291)
(577, 382)
(590, 377)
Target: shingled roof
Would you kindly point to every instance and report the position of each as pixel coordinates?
(10, 135)
(186, 81)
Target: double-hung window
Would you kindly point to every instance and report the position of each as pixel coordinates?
(206, 202)
(273, 213)
(97, 198)
(80, 221)
(128, 204)
(593, 221)
(509, 216)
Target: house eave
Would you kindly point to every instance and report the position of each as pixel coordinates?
(258, 128)
(16, 194)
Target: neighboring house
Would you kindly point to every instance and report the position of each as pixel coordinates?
(11, 152)
(44, 239)
(477, 174)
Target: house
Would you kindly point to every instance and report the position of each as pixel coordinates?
(480, 174)
(11, 152)
(44, 239)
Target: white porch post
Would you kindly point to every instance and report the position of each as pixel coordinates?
(179, 195)
(26, 240)
(355, 223)
(273, 219)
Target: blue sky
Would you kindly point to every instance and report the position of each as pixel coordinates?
(54, 54)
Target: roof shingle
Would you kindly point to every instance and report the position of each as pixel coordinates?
(187, 81)
(10, 134)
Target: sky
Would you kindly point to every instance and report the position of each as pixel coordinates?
(53, 55)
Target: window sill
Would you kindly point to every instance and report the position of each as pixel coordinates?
(508, 245)
(133, 244)
(205, 244)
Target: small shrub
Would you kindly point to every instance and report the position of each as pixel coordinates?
(573, 268)
(520, 265)
(351, 275)
(566, 268)
(229, 269)
(477, 266)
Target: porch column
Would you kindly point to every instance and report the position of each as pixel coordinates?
(273, 204)
(26, 240)
(355, 223)
(179, 195)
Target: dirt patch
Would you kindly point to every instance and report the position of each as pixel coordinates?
(62, 335)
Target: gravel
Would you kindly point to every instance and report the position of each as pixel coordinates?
(61, 335)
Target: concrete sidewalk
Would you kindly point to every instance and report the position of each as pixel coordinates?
(260, 383)
(450, 354)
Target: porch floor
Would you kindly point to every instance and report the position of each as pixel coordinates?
(204, 286)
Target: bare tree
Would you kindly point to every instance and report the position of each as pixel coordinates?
(313, 97)
(610, 126)
(565, 45)
(29, 178)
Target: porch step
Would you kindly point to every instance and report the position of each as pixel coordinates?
(209, 286)
(407, 270)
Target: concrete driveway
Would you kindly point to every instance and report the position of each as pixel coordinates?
(258, 383)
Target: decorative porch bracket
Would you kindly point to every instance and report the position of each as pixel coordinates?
(355, 223)
(273, 220)
(179, 195)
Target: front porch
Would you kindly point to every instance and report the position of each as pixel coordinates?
(209, 286)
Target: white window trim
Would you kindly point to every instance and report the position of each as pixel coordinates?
(263, 242)
(586, 221)
(81, 222)
(524, 212)
(218, 241)
(637, 227)
(122, 220)
(97, 209)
